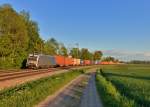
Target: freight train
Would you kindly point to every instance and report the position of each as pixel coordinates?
(46, 61)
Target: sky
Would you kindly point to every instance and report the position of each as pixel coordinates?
(119, 28)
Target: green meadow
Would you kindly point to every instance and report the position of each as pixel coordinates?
(124, 85)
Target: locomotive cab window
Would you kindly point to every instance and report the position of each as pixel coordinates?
(32, 58)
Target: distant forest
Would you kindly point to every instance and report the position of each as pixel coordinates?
(139, 62)
(19, 36)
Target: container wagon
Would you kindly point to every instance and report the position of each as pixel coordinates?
(78, 61)
(71, 61)
(97, 62)
(81, 62)
(68, 61)
(105, 63)
(74, 61)
(86, 62)
(60, 60)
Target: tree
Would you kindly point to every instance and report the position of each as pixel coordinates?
(51, 47)
(75, 52)
(19, 36)
(13, 36)
(35, 44)
(138, 62)
(108, 59)
(97, 55)
(91, 56)
(85, 54)
(62, 50)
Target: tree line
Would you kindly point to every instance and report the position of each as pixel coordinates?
(19, 36)
(138, 62)
(110, 59)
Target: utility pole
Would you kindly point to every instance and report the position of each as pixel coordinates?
(77, 49)
(77, 53)
(41, 47)
(69, 49)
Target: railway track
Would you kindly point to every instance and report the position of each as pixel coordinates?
(13, 80)
(18, 72)
(22, 72)
(27, 70)
(10, 79)
(25, 73)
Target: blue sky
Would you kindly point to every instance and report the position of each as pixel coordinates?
(116, 25)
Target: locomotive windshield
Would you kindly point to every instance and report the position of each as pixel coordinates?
(32, 58)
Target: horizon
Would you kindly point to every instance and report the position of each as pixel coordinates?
(118, 28)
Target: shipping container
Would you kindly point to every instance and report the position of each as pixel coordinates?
(86, 62)
(71, 61)
(97, 62)
(74, 61)
(106, 63)
(60, 60)
(68, 61)
(81, 62)
(78, 61)
(92, 62)
(111, 62)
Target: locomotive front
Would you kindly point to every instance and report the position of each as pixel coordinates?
(32, 61)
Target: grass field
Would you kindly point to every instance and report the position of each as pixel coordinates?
(131, 82)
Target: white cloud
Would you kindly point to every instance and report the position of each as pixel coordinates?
(127, 55)
(147, 54)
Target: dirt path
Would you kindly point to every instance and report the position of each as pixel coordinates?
(69, 96)
(90, 96)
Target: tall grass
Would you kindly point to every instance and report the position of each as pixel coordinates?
(31, 93)
(110, 95)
